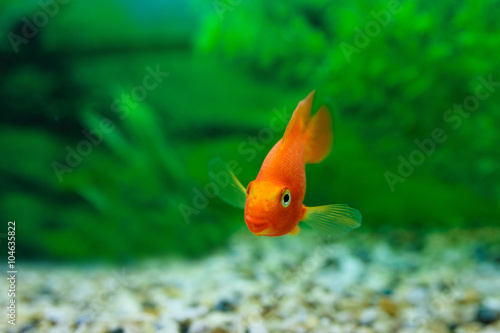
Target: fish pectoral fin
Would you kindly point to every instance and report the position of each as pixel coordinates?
(294, 231)
(230, 188)
(334, 220)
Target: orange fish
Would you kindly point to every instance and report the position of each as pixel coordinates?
(273, 202)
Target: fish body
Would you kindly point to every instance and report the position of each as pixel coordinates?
(282, 169)
(273, 202)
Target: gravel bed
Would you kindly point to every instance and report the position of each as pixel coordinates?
(402, 282)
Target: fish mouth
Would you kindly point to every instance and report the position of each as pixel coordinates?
(257, 225)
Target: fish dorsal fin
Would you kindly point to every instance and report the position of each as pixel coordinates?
(229, 187)
(299, 120)
(318, 136)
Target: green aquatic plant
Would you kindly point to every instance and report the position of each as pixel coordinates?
(411, 68)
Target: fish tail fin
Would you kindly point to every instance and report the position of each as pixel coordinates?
(334, 220)
(318, 136)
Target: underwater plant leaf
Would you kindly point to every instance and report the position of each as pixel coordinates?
(229, 187)
(334, 220)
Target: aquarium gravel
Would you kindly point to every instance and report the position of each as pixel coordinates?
(399, 282)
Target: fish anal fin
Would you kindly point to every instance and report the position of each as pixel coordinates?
(334, 220)
(318, 136)
(295, 231)
(299, 119)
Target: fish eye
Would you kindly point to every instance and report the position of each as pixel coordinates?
(286, 198)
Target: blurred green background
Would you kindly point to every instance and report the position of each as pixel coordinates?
(389, 72)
